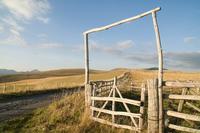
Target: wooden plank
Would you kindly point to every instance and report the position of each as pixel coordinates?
(125, 100)
(181, 84)
(183, 116)
(121, 22)
(181, 102)
(193, 106)
(111, 112)
(184, 97)
(142, 99)
(153, 111)
(114, 124)
(184, 129)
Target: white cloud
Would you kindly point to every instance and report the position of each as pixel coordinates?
(191, 39)
(42, 35)
(50, 45)
(112, 49)
(12, 23)
(125, 44)
(44, 20)
(27, 9)
(14, 40)
(1, 28)
(19, 12)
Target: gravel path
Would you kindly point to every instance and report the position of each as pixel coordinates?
(25, 104)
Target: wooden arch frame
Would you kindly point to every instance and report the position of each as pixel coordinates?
(158, 44)
(159, 52)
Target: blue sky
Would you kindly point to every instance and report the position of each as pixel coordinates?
(42, 34)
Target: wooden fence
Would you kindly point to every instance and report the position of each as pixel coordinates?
(105, 95)
(190, 93)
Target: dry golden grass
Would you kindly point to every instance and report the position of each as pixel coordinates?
(54, 82)
(77, 80)
(142, 75)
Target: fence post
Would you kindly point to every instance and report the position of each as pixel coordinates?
(88, 95)
(153, 106)
(113, 102)
(142, 99)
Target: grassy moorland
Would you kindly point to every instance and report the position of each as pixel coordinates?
(68, 115)
(71, 78)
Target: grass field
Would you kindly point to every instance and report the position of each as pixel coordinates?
(54, 82)
(67, 115)
(75, 77)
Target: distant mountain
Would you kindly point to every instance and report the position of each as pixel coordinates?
(7, 72)
(11, 72)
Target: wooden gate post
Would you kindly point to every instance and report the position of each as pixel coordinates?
(88, 89)
(142, 99)
(87, 85)
(113, 102)
(153, 106)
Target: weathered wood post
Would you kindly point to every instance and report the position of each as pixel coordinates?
(142, 99)
(87, 85)
(113, 102)
(160, 71)
(153, 104)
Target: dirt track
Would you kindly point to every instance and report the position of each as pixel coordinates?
(14, 107)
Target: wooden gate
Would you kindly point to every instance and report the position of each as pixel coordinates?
(105, 96)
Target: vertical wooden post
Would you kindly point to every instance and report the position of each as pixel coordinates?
(86, 70)
(160, 71)
(113, 102)
(181, 102)
(93, 87)
(142, 99)
(153, 111)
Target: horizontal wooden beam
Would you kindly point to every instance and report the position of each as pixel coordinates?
(193, 106)
(114, 124)
(122, 21)
(125, 100)
(184, 129)
(183, 116)
(181, 84)
(184, 97)
(116, 112)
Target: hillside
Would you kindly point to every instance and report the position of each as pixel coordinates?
(42, 74)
